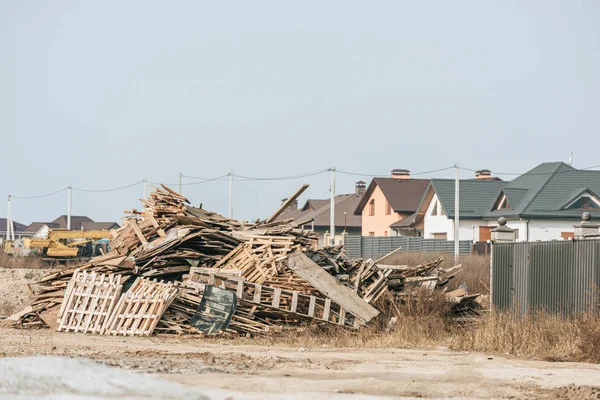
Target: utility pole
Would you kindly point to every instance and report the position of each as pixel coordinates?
(231, 195)
(180, 176)
(456, 214)
(332, 207)
(10, 229)
(69, 204)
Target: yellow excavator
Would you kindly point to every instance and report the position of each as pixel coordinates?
(64, 243)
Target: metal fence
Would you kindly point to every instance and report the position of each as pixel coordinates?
(376, 246)
(560, 277)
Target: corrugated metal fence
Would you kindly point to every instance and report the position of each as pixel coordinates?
(558, 277)
(376, 246)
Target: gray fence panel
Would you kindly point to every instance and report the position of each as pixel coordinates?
(376, 246)
(560, 277)
(352, 245)
(502, 274)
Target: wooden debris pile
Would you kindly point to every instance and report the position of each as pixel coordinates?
(372, 279)
(218, 275)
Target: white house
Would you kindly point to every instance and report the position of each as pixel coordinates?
(542, 204)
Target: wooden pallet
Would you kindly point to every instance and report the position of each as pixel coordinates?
(260, 258)
(307, 307)
(139, 310)
(88, 302)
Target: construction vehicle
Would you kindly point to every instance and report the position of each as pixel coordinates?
(62, 243)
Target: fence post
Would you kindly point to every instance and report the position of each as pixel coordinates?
(491, 277)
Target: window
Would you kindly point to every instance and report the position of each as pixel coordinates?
(372, 207)
(585, 202)
(388, 208)
(567, 235)
(434, 210)
(440, 235)
(503, 203)
(371, 233)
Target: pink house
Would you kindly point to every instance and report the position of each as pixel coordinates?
(392, 201)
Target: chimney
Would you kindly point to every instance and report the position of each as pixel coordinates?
(293, 205)
(483, 174)
(360, 188)
(400, 174)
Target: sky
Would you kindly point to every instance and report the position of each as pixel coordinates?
(103, 94)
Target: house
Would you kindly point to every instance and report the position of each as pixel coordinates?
(477, 197)
(389, 205)
(541, 204)
(40, 229)
(19, 228)
(319, 211)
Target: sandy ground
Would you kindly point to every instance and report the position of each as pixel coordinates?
(13, 287)
(242, 370)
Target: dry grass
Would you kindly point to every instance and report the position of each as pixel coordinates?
(10, 262)
(543, 336)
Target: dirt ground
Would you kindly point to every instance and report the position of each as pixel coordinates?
(13, 287)
(307, 373)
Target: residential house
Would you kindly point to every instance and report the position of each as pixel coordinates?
(318, 210)
(477, 197)
(541, 204)
(40, 229)
(19, 228)
(389, 205)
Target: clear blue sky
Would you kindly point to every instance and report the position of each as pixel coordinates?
(101, 94)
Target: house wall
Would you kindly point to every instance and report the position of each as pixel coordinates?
(380, 222)
(42, 233)
(550, 229)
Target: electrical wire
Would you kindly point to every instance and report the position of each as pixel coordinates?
(40, 196)
(243, 178)
(534, 174)
(282, 178)
(412, 173)
(204, 181)
(108, 190)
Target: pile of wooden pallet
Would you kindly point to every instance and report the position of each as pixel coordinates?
(218, 275)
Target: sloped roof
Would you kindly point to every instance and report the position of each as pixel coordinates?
(546, 190)
(36, 226)
(343, 203)
(408, 221)
(17, 226)
(477, 196)
(404, 195)
(76, 221)
(88, 226)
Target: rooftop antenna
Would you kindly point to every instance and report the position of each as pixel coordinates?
(571, 159)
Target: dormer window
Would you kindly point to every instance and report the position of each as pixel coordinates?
(502, 203)
(585, 202)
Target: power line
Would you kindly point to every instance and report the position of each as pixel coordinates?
(282, 178)
(40, 196)
(412, 173)
(538, 173)
(108, 190)
(204, 181)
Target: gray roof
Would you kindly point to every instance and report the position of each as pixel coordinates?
(343, 203)
(477, 196)
(17, 226)
(547, 189)
(543, 192)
